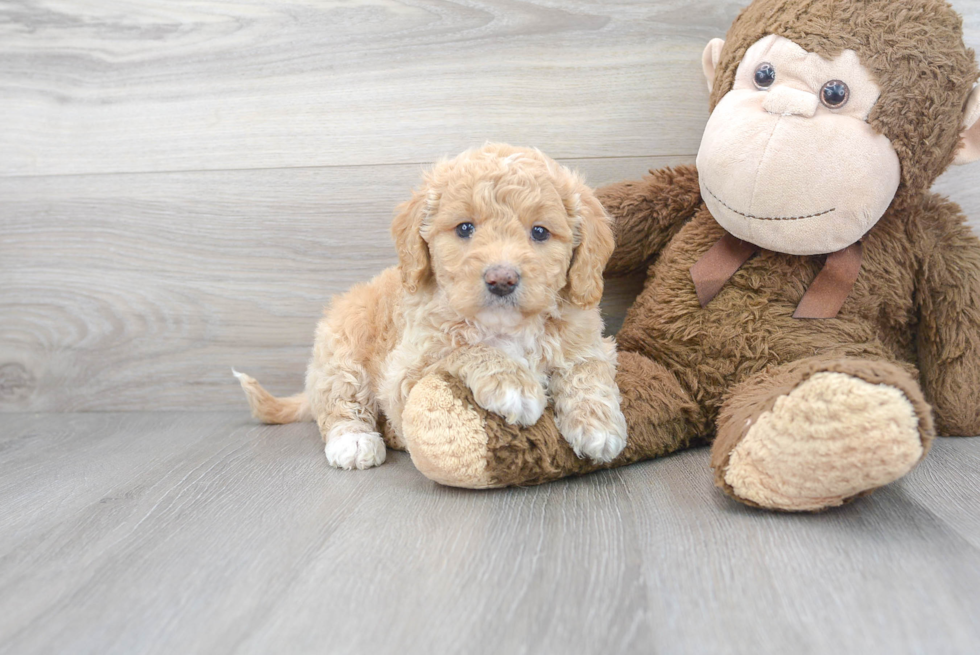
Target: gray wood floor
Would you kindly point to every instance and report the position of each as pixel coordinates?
(206, 533)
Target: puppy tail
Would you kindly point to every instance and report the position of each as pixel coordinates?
(269, 409)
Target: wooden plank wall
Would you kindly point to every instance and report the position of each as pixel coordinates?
(183, 185)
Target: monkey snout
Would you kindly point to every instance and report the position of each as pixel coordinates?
(501, 280)
(787, 101)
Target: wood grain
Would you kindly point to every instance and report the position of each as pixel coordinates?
(135, 86)
(221, 84)
(204, 533)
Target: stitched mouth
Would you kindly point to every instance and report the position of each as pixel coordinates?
(766, 218)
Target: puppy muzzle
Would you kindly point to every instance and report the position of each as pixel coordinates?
(502, 280)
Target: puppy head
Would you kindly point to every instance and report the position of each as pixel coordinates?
(504, 231)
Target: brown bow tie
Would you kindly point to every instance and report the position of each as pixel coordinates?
(823, 299)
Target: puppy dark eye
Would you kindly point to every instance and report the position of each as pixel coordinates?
(765, 75)
(539, 233)
(465, 230)
(834, 94)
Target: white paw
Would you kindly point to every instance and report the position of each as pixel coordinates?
(596, 431)
(517, 406)
(355, 450)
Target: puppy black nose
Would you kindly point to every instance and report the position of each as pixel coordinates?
(502, 280)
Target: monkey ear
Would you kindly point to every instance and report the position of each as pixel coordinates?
(710, 59)
(406, 230)
(969, 150)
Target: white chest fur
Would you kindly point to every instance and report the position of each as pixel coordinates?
(429, 337)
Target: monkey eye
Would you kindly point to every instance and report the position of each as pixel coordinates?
(465, 230)
(834, 94)
(765, 75)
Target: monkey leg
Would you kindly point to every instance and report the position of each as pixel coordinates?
(455, 442)
(819, 432)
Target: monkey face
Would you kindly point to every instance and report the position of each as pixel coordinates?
(788, 161)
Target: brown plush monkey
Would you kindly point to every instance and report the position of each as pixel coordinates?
(810, 306)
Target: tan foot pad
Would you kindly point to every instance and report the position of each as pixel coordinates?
(829, 439)
(446, 439)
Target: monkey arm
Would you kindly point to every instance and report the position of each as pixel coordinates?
(948, 298)
(647, 213)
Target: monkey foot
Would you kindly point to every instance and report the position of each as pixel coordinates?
(831, 438)
(446, 436)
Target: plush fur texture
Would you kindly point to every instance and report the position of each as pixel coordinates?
(758, 396)
(441, 412)
(437, 311)
(906, 342)
(802, 455)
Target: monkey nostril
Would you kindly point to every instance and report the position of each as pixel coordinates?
(501, 280)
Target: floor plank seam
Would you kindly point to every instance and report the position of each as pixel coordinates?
(259, 169)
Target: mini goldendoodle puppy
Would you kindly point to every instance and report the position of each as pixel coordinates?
(500, 254)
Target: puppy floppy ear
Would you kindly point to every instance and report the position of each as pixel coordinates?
(595, 246)
(406, 230)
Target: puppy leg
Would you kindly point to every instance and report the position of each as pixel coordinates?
(343, 405)
(499, 383)
(587, 411)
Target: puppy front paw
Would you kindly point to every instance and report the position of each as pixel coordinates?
(355, 450)
(514, 395)
(593, 427)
